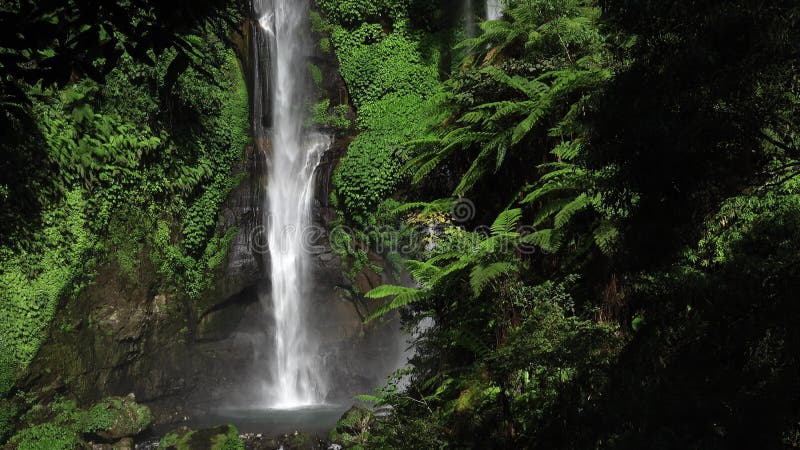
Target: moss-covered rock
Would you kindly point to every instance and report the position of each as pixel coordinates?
(115, 418)
(124, 444)
(224, 437)
(61, 425)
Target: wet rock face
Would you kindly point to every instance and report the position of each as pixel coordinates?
(124, 335)
(116, 330)
(243, 210)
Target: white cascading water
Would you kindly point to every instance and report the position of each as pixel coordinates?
(469, 18)
(296, 378)
(494, 9)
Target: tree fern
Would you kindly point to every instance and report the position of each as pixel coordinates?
(580, 203)
(506, 222)
(548, 240)
(482, 275)
(548, 210)
(402, 296)
(606, 236)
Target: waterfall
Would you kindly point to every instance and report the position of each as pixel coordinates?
(292, 152)
(469, 18)
(494, 9)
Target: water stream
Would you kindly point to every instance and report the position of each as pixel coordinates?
(292, 152)
(494, 9)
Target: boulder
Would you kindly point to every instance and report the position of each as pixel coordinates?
(117, 418)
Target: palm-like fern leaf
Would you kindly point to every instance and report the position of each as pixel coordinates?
(569, 210)
(403, 296)
(481, 275)
(506, 222)
(606, 236)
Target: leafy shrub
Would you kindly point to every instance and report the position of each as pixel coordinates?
(390, 83)
(68, 426)
(47, 436)
(375, 64)
(115, 418)
(335, 117)
(8, 413)
(353, 12)
(32, 282)
(138, 149)
(353, 429)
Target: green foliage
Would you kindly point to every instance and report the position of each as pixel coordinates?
(116, 417)
(47, 436)
(550, 356)
(66, 426)
(499, 111)
(128, 154)
(617, 182)
(464, 258)
(352, 12)
(735, 221)
(34, 281)
(316, 74)
(375, 64)
(229, 441)
(541, 31)
(219, 438)
(353, 430)
(390, 82)
(335, 117)
(8, 413)
(371, 169)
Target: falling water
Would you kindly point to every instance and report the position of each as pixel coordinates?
(469, 18)
(281, 94)
(494, 9)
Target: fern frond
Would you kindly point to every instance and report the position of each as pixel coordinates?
(452, 268)
(544, 190)
(472, 117)
(403, 296)
(471, 342)
(422, 271)
(474, 173)
(506, 222)
(548, 210)
(568, 150)
(525, 127)
(406, 207)
(606, 237)
(580, 203)
(481, 276)
(548, 240)
(531, 88)
(366, 398)
(425, 169)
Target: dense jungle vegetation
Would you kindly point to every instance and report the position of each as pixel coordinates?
(121, 124)
(625, 273)
(605, 195)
